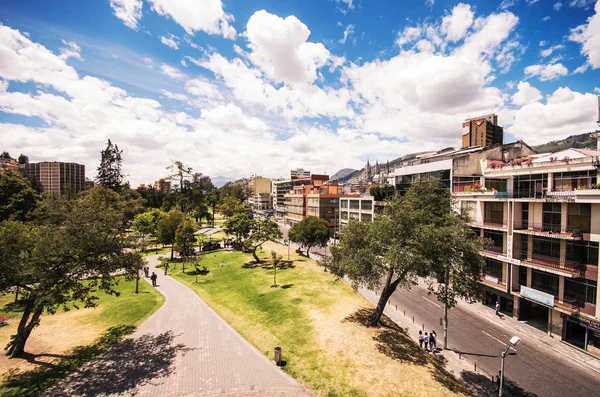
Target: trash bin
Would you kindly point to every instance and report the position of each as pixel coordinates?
(277, 355)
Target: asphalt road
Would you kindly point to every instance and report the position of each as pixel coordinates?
(533, 369)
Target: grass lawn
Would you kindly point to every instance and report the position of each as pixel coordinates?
(65, 341)
(317, 322)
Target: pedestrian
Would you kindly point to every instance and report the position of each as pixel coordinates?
(426, 341)
(468, 297)
(166, 268)
(146, 271)
(433, 340)
(498, 380)
(153, 278)
(421, 339)
(498, 309)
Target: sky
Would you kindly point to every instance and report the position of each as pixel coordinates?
(236, 87)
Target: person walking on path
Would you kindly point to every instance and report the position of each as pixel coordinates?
(421, 339)
(153, 278)
(146, 271)
(433, 340)
(498, 309)
(166, 268)
(426, 341)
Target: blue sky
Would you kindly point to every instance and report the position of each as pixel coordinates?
(238, 88)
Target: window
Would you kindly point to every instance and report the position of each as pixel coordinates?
(344, 203)
(581, 290)
(496, 184)
(547, 247)
(494, 213)
(497, 239)
(524, 215)
(545, 282)
(579, 217)
(366, 205)
(493, 268)
(551, 217)
(583, 252)
(524, 245)
(573, 180)
(467, 208)
(523, 275)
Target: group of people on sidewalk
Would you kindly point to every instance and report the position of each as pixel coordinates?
(152, 277)
(429, 340)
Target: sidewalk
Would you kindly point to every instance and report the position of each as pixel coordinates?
(184, 349)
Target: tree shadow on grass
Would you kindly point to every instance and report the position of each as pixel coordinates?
(107, 366)
(393, 341)
(483, 386)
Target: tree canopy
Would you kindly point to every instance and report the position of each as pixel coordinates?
(230, 206)
(310, 232)
(110, 174)
(144, 225)
(167, 228)
(412, 236)
(382, 192)
(265, 230)
(17, 197)
(184, 237)
(239, 225)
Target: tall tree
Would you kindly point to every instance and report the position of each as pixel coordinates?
(212, 199)
(167, 227)
(23, 159)
(110, 172)
(265, 230)
(144, 225)
(63, 266)
(180, 172)
(239, 225)
(276, 261)
(310, 232)
(17, 197)
(184, 237)
(395, 247)
(5, 155)
(230, 206)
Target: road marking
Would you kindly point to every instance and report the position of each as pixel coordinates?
(432, 302)
(498, 340)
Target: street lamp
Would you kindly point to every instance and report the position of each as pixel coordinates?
(514, 341)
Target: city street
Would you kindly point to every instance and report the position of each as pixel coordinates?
(536, 368)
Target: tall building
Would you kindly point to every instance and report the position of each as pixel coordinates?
(361, 208)
(8, 164)
(57, 177)
(482, 131)
(163, 185)
(280, 188)
(261, 198)
(299, 173)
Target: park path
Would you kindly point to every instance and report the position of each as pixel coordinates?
(184, 349)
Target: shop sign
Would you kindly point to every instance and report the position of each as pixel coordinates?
(491, 278)
(594, 324)
(537, 296)
(508, 259)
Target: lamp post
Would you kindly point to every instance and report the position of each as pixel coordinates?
(514, 341)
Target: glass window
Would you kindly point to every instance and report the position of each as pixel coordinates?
(545, 282)
(493, 268)
(548, 247)
(573, 180)
(583, 252)
(467, 208)
(494, 213)
(579, 217)
(497, 239)
(551, 217)
(581, 290)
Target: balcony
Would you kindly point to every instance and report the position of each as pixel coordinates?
(493, 282)
(552, 265)
(489, 224)
(492, 252)
(548, 230)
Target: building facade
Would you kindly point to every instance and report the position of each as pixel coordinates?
(261, 197)
(482, 131)
(280, 188)
(361, 208)
(8, 164)
(299, 173)
(57, 177)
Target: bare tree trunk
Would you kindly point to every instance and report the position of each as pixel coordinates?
(17, 294)
(137, 282)
(172, 248)
(17, 345)
(308, 251)
(385, 295)
(446, 325)
(256, 258)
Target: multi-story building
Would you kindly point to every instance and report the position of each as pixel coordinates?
(88, 184)
(57, 177)
(299, 173)
(482, 131)
(163, 185)
(361, 208)
(280, 188)
(261, 198)
(315, 198)
(8, 164)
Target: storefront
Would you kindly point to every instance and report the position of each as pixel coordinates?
(491, 296)
(582, 332)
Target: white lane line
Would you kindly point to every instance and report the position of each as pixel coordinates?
(432, 302)
(498, 340)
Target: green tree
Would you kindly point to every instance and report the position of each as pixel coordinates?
(110, 174)
(239, 225)
(239, 191)
(23, 159)
(144, 225)
(5, 155)
(276, 261)
(459, 265)
(17, 197)
(310, 232)
(167, 227)
(52, 209)
(396, 246)
(180, 172)
(184, 237)
(230, 205)
(63, 266)
(212, 199)
(265, 230)
(382, 192)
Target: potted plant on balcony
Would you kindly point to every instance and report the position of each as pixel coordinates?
(566, 159)
(552, 158)
(529, 161)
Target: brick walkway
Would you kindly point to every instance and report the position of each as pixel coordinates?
(184, 349)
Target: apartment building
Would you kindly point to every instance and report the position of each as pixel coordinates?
(299, 173)
(361, 208)
(482, 131)
(261, 197)
(57, 177)
(8, 164)
(280, 187)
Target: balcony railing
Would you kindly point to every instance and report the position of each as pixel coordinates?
(548, 229)
(552, 265)
(487, 224)
(493, 281)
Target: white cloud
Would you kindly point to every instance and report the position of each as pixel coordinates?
(546, 18)
(557, 6)
(564, 113)
(455, 25)
(345, 5)
(170, 40)
(589, 36)
(430, 3)
(581, 3)
(581, 69)
(526, 94)
(197, 15)
(597, 90)
(279, 47)
(129, 11)
(505, 4)
(71, 50)
(171, 72)
(546, 72)
(349, 31)
(410, 34)
(548, 51)
(531, 2)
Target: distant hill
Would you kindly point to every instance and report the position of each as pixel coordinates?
(574, 141)
(342, 174)
(219, 181)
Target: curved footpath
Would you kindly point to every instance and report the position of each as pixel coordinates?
(208, 356)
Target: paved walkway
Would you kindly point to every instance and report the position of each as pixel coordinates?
(184, 349)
